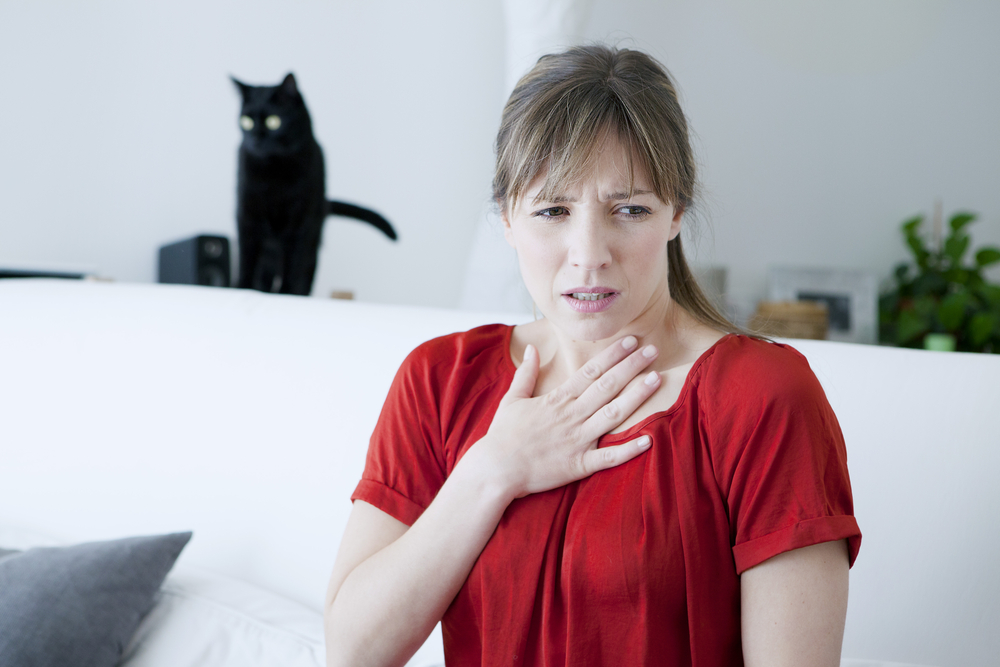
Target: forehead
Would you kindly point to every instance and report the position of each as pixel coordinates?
(609, 167)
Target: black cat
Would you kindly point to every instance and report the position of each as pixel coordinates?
(281, 192)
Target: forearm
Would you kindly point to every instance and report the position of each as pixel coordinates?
(388, 605)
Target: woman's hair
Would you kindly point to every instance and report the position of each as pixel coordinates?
(567, 104)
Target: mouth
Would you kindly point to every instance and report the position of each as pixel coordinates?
(590, 293)
(590, 296)
(590, 299)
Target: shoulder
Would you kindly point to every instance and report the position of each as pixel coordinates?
(747, 361)
(484, 345)
(745, 372)
(762, 408)
(459, 361)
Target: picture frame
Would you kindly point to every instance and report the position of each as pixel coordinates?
(851, 298)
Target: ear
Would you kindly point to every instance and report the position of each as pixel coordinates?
(675, 222)
(242, 87)
(288, 86)
(508, 233)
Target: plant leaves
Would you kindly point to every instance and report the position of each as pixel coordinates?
(910, 226)
(991, 294)
(925, 307)
(914, 241)
(958, 275)
(919, 250)
(930, 283)
(955, 247)
(943, 292)
(951, 312)
(987, 256)
(888, 303)
(910, 326)
(960, 220)
(981, 327)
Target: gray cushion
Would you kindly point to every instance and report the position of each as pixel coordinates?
(80, 605)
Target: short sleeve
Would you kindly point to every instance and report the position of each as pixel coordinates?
(404, 468)
(780, 458)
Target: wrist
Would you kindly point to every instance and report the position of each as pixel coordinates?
(481, 469)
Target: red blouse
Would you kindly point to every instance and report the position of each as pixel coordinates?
(639, 564)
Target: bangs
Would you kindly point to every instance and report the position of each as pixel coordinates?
(570, 106)
(572, 162)
(566, 143)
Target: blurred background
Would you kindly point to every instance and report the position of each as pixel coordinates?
(819, 127)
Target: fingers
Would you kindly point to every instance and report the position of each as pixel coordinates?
(605, 388)
(616, 411)
(594, 369)
(523, 384)
(608, 457)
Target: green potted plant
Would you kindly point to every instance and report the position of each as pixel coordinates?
(940, 295)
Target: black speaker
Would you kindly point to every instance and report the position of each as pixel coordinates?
(201, 260)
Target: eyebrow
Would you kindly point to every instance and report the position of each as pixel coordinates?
(618, 196)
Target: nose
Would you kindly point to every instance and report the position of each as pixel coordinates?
(589, 245)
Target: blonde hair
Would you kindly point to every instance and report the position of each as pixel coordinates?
(563, 108)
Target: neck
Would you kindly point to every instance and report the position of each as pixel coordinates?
(663, 324)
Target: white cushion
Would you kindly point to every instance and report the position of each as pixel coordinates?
(204, 618)
(21, 538)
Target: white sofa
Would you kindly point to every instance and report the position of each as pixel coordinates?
(141, 409)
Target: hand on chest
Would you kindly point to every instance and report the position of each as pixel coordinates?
(671, 384)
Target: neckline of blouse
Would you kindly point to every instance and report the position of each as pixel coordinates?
(609, 438)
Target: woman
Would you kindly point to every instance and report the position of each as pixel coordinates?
(626, 481)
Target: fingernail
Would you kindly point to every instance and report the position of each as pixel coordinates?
(628, 342)
(649, 351)
(644, 442)
(652, 378)
(528, 349)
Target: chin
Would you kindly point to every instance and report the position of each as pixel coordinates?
(589, 328)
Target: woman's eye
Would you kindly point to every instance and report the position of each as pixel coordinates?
(634, 212)
(554, 212)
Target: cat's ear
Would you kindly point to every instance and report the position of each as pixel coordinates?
(288, 86)
(243, 88)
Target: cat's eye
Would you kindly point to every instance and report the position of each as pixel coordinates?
(246, 122)
(272, 122)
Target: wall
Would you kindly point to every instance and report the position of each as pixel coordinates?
(822, 126)
(819, 126)
(120, 129)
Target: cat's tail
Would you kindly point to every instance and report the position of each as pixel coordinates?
(362, 214)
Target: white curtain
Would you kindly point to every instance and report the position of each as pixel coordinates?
(534, 28)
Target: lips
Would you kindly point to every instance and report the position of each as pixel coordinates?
(590, 299)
